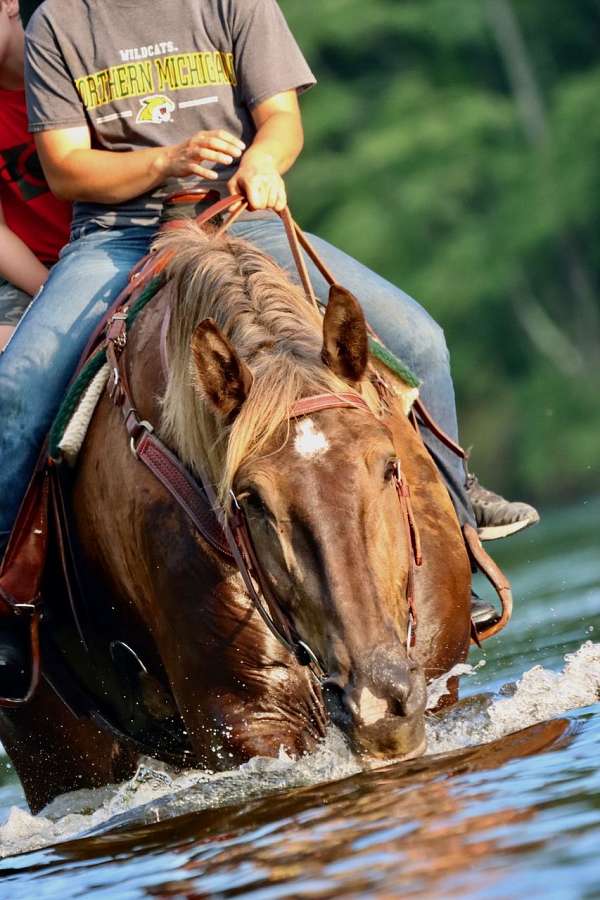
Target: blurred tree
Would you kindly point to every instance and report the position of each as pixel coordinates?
(453, 147)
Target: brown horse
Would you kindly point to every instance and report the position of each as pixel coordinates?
(170, 644)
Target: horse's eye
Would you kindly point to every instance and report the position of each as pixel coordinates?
(253, 502)
(391, 469)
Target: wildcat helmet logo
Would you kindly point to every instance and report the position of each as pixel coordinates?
(156, 110)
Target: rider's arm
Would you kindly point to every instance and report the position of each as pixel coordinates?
(75, 171)
(18, 264)
(274, 150)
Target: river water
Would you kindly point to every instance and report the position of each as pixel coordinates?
(506, 804)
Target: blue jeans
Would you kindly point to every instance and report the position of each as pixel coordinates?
(39, 360)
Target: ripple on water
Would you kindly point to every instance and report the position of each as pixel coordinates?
(156, 792)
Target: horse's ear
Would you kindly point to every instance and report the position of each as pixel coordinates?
(345, 342)
(219, 374)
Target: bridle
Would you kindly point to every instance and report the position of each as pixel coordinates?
(255, 579)
(227, 531)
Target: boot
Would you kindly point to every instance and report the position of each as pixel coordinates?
(495, 516)
(483, 614)
(15, 654)
(15, 657)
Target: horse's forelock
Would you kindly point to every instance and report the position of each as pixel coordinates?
(273, 329)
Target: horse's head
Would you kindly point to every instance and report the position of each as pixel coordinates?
(322, 507)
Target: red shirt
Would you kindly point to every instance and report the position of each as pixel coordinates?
(30, 210)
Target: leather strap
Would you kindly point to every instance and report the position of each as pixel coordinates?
(291, 230)
(184, 489)
(233, 217)
(187, 198)
(495, 576)
(326, 401)
(292, 236)
(312, 253)
(435, 429)
(242, 550)
(22, 566)
(21, 573)
(220, 207)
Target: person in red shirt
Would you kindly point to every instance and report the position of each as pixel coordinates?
(34, 224)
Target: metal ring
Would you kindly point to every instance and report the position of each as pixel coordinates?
(306, 656)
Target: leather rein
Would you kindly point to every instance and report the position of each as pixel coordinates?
(227, 532)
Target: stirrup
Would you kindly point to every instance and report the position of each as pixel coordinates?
(497, 579)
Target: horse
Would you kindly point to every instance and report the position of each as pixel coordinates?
(181, 662)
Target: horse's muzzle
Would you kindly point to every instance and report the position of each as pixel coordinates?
(381, 708)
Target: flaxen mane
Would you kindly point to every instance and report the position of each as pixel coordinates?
(272, 327)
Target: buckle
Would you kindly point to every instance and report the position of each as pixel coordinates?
(116, 330)
(135, 438)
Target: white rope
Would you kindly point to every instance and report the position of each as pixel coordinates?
(75, 432)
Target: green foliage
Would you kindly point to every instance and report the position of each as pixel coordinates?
(427, 158)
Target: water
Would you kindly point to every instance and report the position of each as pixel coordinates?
(507, 803)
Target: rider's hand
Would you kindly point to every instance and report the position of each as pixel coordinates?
(258, 180)
(205, 146)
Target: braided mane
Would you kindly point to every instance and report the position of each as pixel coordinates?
(273, 329)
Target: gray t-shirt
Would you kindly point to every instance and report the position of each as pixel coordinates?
(149, 73)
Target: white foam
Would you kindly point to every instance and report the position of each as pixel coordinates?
(439, 686)
(156, 792)
(539, 695)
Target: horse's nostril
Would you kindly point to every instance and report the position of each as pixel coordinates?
(402, 693)
(398, 706)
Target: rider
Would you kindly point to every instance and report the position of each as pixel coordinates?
(117, 92)
(34, 225)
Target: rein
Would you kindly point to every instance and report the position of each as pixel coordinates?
(228, 533)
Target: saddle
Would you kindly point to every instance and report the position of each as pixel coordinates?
(42, 512)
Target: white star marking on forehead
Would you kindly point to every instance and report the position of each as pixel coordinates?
(309, 442)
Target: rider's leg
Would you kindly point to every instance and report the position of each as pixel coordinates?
(40, 358)
(407, 329)
(13, 303)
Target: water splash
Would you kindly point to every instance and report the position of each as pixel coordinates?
(439, 686)
(540, 694)
(156, 792)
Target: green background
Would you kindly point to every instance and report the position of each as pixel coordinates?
(453, 146)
